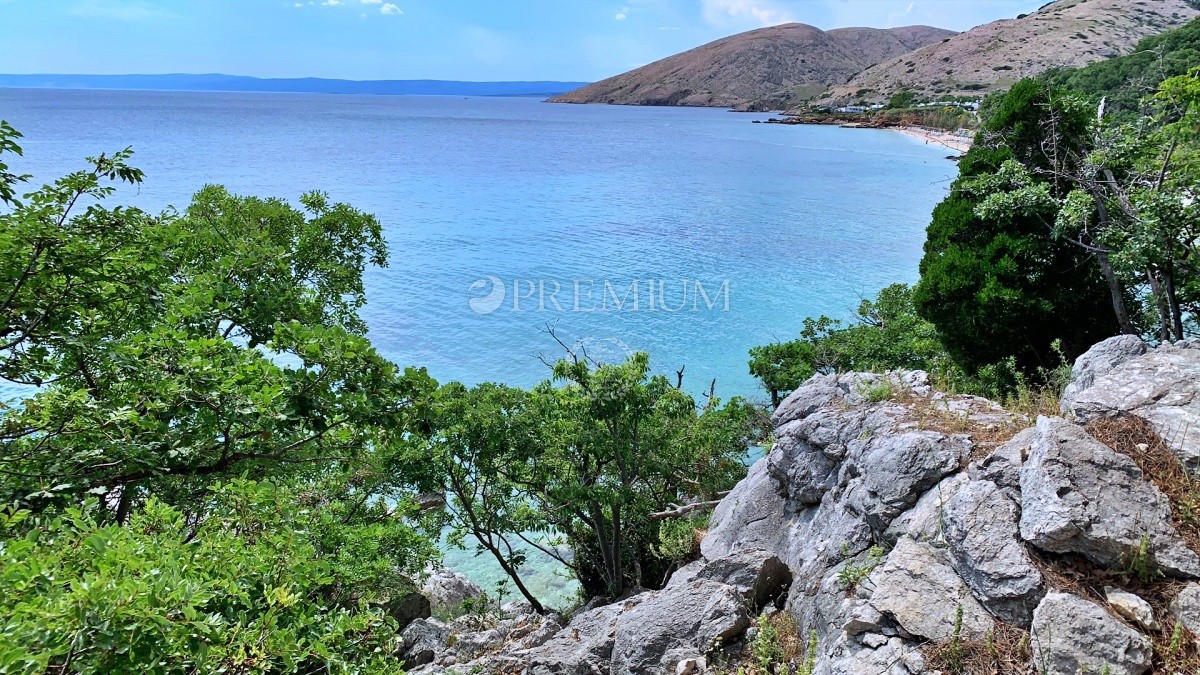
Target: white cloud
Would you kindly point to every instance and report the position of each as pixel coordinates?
(621, 16)
(724, 13)
(331, 3)
(388, 9)
(669, 28)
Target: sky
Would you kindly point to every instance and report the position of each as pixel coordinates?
(480, 40)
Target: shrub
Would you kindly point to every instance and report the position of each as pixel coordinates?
(243, 591)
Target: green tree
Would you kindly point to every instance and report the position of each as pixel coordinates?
(482, 442)
(1007, 287)
(171, 352)
(887, 334)
(586, 459)
(169, 359)
(619, 445)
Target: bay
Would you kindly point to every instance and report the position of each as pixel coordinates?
(728, 233)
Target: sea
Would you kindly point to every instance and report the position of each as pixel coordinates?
(514, 224)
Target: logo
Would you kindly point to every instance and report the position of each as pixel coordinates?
(494, 298)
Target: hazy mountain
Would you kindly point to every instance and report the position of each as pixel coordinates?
(300, 85)
(781, 62)
(1066, 33)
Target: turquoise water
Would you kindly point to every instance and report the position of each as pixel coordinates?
(730, 232)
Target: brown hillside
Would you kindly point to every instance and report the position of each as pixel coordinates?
(779, 62)
(1066, 33)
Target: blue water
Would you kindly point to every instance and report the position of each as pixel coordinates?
(774, 223)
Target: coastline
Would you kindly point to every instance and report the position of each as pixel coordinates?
(952, 141)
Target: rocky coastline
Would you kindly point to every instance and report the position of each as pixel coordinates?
(904, 531)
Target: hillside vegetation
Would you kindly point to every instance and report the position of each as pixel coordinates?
(992, 57)
(1124, 80)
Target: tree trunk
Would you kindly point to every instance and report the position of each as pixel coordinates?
(1117, 293)
(1173, 303)
(1160, 300)
(125, 503)
(512, 574)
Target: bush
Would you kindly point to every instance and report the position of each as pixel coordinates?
(243, 591)
(887, 335)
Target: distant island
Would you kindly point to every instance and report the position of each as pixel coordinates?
(307, 85)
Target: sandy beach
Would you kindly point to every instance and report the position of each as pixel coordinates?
(946, 139)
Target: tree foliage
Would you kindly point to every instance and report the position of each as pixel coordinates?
(241, 591)
(886, 334)
(584, 460)
(166, 360)
(1005, 287)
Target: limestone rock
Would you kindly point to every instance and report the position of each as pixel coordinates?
(447, 589)
(1071, 635)
(926, 521)
(1003, 465)
(1131, 608)
(1185, 608)
(1079, 496)
(987, 552)
(423, 640)
(1100, 360)
(758, 576)
(406, 606)
(584, 646)
(1161, 386)
(920, 590)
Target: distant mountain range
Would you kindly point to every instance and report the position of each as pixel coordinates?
(307, 85)
(769, 64)
(793, 65)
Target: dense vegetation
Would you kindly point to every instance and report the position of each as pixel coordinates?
(212, 470)
(1074, 218)
(1126, 80)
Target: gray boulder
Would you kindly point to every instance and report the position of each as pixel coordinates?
(987, 552)
(759, 577)
(926, 520)
(1003, 465)
(1162, 386)
(1185, 608)
(1098, 361)
(1080, 496)
(919, 589)
(407, 605)
(423, 641)
(1071, 635)
(447, 589)
(583, 647)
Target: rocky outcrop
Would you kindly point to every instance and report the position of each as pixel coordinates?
(703, 607)
(1080, 496)
(1072, 636)
(889, 518)
(985, 544)
(920, 591)
(447, 589)
(1160, 385)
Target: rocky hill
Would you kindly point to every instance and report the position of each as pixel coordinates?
(895, 530)
(1066, 33)
(778, 63)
